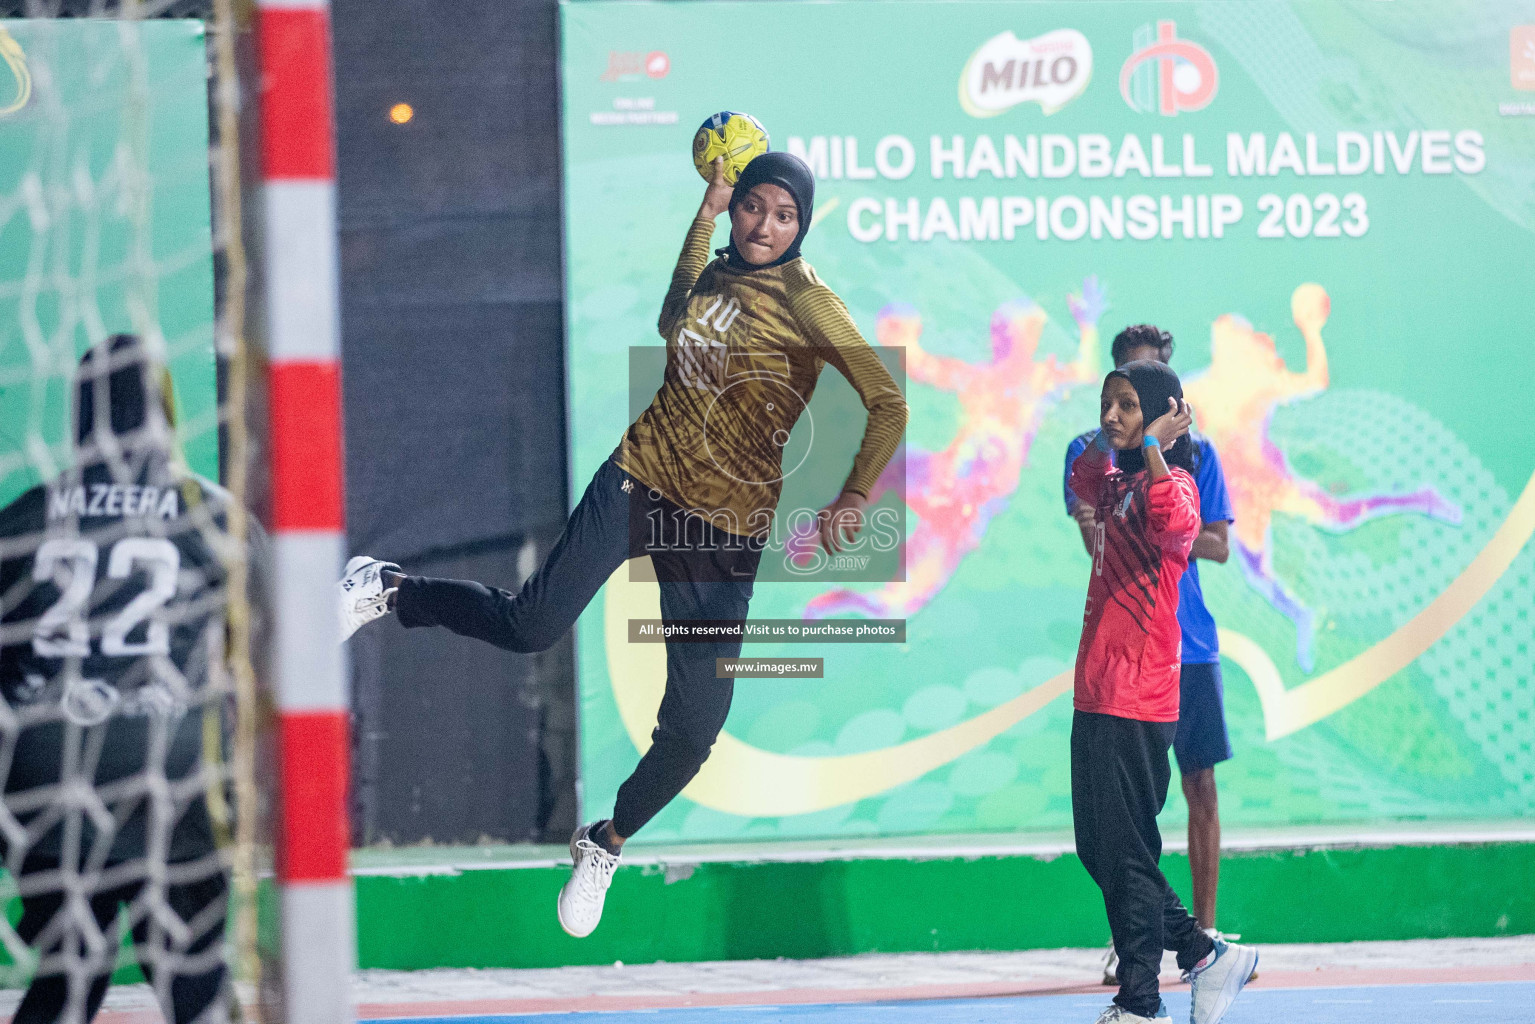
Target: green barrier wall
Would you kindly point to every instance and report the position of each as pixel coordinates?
(724, 911)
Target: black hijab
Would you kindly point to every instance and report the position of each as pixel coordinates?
(116, 370)
(1154, 383)
(124, 413)
(789, 173)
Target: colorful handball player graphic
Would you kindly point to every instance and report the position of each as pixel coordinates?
(956, 492)
(1235, 399)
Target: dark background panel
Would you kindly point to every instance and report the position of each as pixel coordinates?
(459, 744)
(453, 368)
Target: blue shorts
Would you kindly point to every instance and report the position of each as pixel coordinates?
(1201, 741)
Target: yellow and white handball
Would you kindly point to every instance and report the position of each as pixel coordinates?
(739, 138)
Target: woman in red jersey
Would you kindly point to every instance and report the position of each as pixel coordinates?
(1146, 507)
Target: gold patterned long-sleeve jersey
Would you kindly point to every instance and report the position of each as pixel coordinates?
(744, 349)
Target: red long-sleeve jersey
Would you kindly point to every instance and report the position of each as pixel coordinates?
(1128, 661)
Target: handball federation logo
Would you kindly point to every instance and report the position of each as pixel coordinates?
(1051, 70)
(1167, 74)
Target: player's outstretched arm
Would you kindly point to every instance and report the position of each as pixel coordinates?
(1310, 307)
(1086, 309)
(900, 327)
(1085, 366)
(832, 330)
(695, 252)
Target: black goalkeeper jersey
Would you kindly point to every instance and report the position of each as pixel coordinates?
(111, 621)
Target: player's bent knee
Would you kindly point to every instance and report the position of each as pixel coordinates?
(682, 748)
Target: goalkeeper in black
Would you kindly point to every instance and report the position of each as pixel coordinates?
(111, 623)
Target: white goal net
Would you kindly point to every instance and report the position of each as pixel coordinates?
(128, 720)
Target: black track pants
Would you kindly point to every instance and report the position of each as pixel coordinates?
(184, 965)
(1119, 778)
(703, 573)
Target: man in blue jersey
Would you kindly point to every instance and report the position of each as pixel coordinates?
(1201, 741)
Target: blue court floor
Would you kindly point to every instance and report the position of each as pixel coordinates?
(1510, 1002)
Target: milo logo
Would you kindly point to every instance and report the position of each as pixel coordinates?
(1051, 70)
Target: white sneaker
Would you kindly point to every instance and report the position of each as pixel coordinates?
(1224, 937)
(1116, 1014)
(580, 903)
(1216, 985)
(1111, 966)
(362, 594)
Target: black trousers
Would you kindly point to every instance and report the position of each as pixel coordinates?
(184, 963)
(1119, 778)
(704, 573)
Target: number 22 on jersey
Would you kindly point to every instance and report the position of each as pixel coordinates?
(70, 563)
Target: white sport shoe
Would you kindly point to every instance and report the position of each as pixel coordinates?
(1216, 985)
(1111, 966)
(1116, 1014)
(362, 594)
(580, 903)
(1224, 937)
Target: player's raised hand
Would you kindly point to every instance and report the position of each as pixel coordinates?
(717, 194)
(1173, 423)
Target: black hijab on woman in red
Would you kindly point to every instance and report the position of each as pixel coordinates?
(1154, 383)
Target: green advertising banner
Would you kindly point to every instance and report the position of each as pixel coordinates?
(1330, 205)
(104, 224)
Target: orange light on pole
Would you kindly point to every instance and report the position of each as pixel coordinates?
(401, 113)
